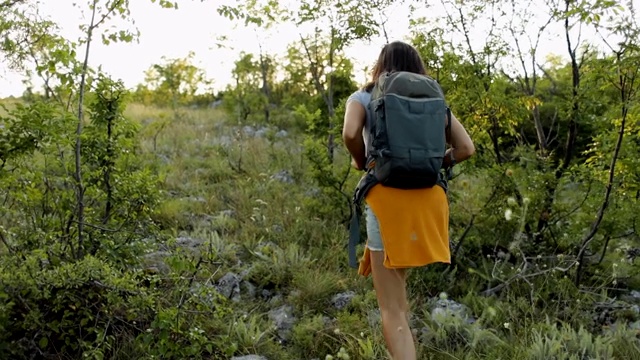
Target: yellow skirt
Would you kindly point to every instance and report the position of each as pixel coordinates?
(414, 227)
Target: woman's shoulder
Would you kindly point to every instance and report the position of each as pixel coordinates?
(361, 96)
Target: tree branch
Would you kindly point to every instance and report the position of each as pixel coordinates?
(314, 70)
(5, 242)
(9, 3)
(78, 147)
(624, 98)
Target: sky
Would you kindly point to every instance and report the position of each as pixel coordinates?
(196, 26)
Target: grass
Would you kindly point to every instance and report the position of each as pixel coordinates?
(290, 252)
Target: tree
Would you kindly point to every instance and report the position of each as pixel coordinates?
(173, 81)
(36, 43)
(625, 81)
(346, 22)
(247, 96)
(101, 12)
(301, 85)
(520, 27)
(259, 15)
(339, 22)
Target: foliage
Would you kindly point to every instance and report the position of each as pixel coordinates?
(246, 97)
(176, 198)
(174, 82)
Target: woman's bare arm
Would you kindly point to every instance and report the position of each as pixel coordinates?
(461, 144)
(354, 120)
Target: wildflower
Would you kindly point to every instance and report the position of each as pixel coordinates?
(506, 325)
(508, 214)
(336, 331)
(511, 201)
(509, 172)
(342, 354)
(526, 201)
(328, 357)
(443, 296)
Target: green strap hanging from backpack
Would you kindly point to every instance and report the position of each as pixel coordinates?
(365, 184)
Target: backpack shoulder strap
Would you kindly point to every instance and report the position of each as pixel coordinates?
(447, 128)
(452, 160)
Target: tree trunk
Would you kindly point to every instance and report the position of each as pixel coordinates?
(78, 147)
(266, 91)
(330, 107)
(625, 96)
(108, 167)
(572, 134)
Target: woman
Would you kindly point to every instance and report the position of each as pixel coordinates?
(393, 213)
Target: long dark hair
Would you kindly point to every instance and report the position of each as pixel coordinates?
(396, 56)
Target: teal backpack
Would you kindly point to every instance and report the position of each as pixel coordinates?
(407, 140)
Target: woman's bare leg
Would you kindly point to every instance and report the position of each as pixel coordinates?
(390, 286)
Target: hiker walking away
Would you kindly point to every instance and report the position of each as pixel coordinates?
(400, 131)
